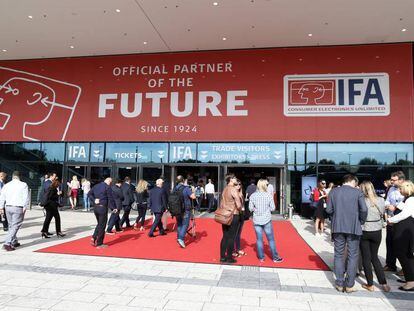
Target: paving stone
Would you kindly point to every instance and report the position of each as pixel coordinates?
(81, 296)
(236, 300)
(112, 299)
(183, 305)
(208, 306)
(67, 305)
(30, 302)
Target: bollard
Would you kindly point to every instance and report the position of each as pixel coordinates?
(290, 210)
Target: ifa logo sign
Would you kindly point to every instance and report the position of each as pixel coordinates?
(364, 94)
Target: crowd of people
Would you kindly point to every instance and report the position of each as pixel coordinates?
(357, 215)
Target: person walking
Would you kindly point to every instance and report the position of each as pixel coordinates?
(372, 236)
(73, 188)
(3, 218)
(404, 235)
(347, 207)
(141, 198)
(394, 197)
(319, 197)
(52, 210)
(261, 204)
(210, 191)
(100, 195)
(183, 220)
(14, 201)
(158, 205)
(231, 199)
(237, 241)
(118, 197)
(128, 193)
(199, 194)
(86, 187)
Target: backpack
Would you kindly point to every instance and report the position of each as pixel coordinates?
(176, 201)
(198, 192)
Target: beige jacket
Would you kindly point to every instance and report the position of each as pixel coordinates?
(231, 197)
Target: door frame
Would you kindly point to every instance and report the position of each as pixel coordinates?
(282, 180)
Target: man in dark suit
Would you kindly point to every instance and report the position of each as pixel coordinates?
(346, 205)
(128, 193)
(101, 196)
(158, 204)
(115, 209)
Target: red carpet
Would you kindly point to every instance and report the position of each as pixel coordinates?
(204, 248)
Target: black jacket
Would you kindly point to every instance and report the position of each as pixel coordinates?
(157, 202)
(128, 194)
(52, 198)
(141, 198)
(118, 198)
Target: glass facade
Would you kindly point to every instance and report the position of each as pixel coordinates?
(300, 163)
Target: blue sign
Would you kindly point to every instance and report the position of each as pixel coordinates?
(137, 153)
(97, 152)
(183, 152)
(255, 153)
(77, 152)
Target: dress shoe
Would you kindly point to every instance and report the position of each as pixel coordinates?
(231, 260)
(385, 288)
(350, 290)
(222, 260)
(369, 288)
(406, 289)
(163, 233)
(17, 244)
(151, 235)
(8, 248)
(339, 288)
(60, 234)
(181, 243)
(386, 268)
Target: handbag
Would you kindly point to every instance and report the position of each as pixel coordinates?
(224, 214)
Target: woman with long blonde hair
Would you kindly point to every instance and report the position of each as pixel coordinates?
(371, 237)
(141, 198)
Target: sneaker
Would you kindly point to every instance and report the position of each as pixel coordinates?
(278, 259)
(261, 259)
(102, 246)
(181, 243)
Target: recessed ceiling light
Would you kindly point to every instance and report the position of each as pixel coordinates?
(310, 35)
(404, 30)
(30, 16)
(145, 42)
(215, 3)
(224, 38)
(4, 50)
(118, 10)
(72, 47)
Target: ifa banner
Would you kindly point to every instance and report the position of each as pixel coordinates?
(341, 93)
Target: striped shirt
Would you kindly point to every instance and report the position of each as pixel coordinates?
(261, 204)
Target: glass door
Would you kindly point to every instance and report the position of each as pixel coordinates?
(99, 173)
(131, 171)
(151, 174)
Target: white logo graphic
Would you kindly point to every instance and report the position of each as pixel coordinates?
(277, 154)
(96, 153)
(161, 153)
(203, 154)
(35, 107)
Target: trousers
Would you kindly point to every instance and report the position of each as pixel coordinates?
(50, 213)
(101, 214)
(15, 217)
(369, 245)
(348, 265)
(229, 235)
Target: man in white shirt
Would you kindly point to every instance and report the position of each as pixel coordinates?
(209, 191)
(14, 201)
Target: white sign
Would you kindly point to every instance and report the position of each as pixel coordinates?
(364, 94)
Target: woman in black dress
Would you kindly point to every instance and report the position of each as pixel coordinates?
(52, 210)
(319, 197)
